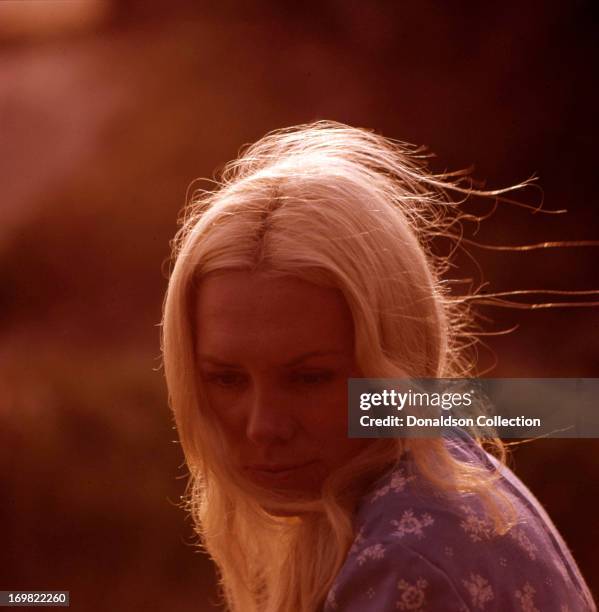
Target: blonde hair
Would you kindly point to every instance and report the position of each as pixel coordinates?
(345, 208)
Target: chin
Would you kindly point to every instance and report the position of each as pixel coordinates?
(289, 502)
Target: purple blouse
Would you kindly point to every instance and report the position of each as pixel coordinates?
(418, 550)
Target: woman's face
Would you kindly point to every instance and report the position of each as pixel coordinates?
(274, 356)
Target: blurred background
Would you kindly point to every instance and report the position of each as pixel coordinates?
(109, 109)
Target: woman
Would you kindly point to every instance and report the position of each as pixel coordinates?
(311, 264)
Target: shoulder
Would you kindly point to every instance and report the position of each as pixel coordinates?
(387, 575)
(417, 549)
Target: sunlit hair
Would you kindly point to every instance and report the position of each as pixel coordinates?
(344, 208)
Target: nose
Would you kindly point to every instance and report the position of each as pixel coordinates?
(269, 421)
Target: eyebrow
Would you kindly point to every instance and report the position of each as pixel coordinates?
(293, 362)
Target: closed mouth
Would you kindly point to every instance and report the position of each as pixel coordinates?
(277, 468)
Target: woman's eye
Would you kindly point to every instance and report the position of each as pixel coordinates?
(224, 379)
(313, 378)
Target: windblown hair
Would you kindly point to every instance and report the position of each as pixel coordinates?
(344, 208)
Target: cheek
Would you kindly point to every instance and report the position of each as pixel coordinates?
(228, 412)
(231, 425)
(340, 451)
(325, 422)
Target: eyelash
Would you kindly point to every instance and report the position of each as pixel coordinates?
(316, 377)
(216, 378)
(223, 379)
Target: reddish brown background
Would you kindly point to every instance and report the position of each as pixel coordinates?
(107, 114)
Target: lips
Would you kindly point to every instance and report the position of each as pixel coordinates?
(283, 475)
(277, 468)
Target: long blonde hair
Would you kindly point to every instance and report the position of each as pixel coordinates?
(345, 208)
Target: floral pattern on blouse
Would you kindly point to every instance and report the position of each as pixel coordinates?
(418, 551)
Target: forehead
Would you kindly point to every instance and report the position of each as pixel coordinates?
(250, 312)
